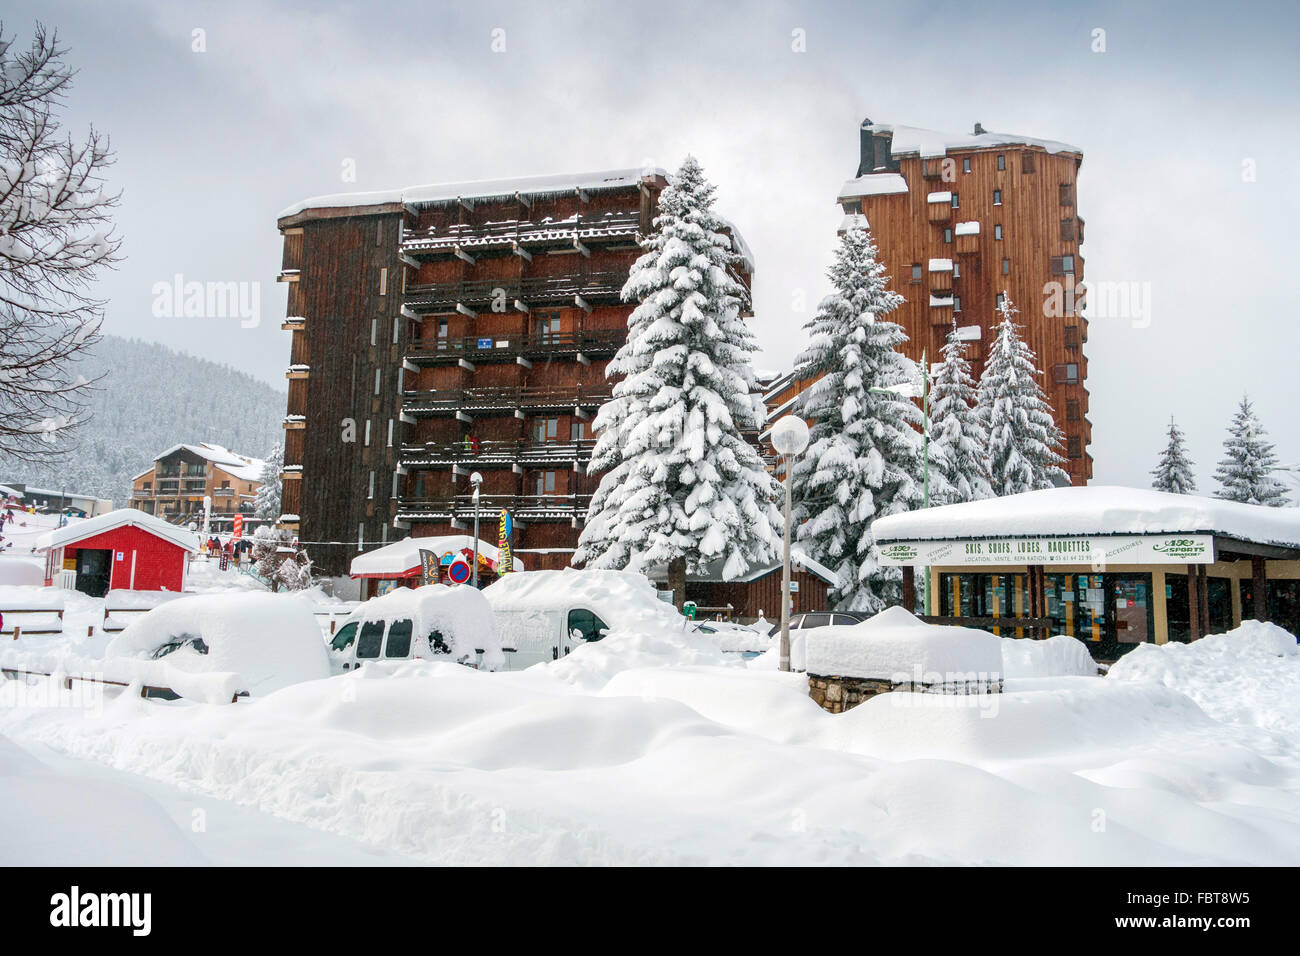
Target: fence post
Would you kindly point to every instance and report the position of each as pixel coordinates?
(17, 630)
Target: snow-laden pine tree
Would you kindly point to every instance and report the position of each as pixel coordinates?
(1174, 472)
(1023, 435)
(1246, 470)
(864, 453)
(959, 469)
(680, 485)
(267, 503)
(55, 239)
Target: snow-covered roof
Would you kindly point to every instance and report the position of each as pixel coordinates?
(80, 530)
(872, 184)
(713, 571)
(238, 466)
(967, 228)
(402, 557)
(932, 143)
(1095, 510)
(479, 189)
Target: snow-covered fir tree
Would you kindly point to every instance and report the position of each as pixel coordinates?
(267, 503)
(1174, 472)
(863, 459)
(959, 438)
(680, 485)
(1246, 470)
(1023, 435)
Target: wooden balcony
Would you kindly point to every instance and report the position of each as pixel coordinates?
(941, 281)
(504, 398)
(501, 453)
(509, 234)
(968, 244)
(571, 508)
(599, 343)
(527, 292)
(933, 168)
(939, 211)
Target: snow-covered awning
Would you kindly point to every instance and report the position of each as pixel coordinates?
(401, 559)
(1094, 510)
(967, 228)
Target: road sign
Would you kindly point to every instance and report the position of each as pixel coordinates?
(458, 572)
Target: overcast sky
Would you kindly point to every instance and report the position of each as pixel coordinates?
(212, 145)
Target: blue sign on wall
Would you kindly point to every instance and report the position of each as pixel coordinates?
(485, 343)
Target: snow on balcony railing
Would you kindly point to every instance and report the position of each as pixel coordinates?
(967, 229)
(939, 197)
(941, 265)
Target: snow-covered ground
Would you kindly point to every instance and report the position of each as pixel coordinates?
(649, 748)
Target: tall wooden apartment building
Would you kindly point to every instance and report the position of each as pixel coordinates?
(444, 330)
(958, 220)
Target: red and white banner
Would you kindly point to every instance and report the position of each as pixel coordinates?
(239, 527)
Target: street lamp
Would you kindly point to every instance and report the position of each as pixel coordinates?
(789, 438)
(477, 481)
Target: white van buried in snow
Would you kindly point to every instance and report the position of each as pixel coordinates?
(433, 622)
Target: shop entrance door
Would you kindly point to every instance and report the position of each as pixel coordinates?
(1129, 617)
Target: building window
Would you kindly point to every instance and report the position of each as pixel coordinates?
(578, 431)
(1067, 230)
(545, 429)
(997, 231)
(1027, 161)
(379, 233)
(1074, 446)
(546, 483)
(1006, 267)
(916, 272)
(1062, 265)
(947, 235)
(965, 165)
(377, 378)
(396, 476)
(383, 281)
(956, 303)
(997, 303)
(1066, 193)
(367, 440)
(1066, 373)
(956, 204)
(374, 331)
(956, 270)
(390, 433)
(1072, 410)
(546, 326)
(397, 325)
(361, 536)
(1071, 336)
(370, 488)
(1002, 161)
(997, 197)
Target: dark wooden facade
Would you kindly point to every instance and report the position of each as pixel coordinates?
(1024, 199)
(468, 333)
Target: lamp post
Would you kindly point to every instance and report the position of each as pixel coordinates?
(908, 390)
(477, 481)
(789, 438)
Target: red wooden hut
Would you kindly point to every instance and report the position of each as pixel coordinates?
(122, 550)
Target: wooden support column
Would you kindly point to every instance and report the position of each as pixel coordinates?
(1193, 604)
(1259, 589)
(1204, 603)
(909, 589)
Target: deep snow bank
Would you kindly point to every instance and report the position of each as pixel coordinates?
(894, 645)
(1058, 656)
(1250, 675)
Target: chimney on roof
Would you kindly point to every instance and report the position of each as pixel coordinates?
(979, 130)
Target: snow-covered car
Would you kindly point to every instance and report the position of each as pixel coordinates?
(809, 619)
(216, 647)
(733, 638)
(544, 615)
(433, 622)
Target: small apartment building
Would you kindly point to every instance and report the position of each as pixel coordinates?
(1113, 567)
(182, 476)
